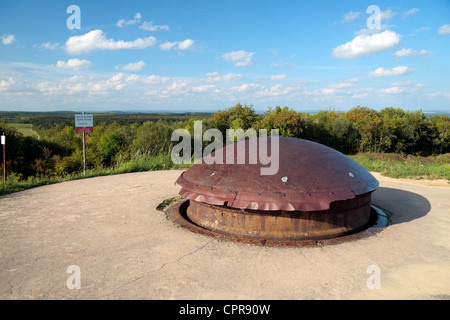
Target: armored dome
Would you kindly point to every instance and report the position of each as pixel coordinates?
(309, 177)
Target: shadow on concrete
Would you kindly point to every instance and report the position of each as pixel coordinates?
(405, 206)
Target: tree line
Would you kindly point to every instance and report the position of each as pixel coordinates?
(58, 151)
(46, 120)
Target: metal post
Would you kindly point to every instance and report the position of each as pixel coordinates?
(84, 152)
(4, 157)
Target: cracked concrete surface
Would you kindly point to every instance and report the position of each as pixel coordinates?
(126, 249)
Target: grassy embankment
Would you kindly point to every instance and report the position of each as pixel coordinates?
(26, 129)
(410, 167)
(14, 182)
(391, 165)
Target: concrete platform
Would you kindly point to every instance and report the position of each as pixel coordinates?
(126, 249)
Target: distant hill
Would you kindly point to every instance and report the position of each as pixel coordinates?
(48, 120)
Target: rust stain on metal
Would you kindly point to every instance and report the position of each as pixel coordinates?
(317, 194)
(177, 214)
(341, 219)
(310, 177)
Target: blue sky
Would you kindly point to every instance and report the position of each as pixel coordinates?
(210, 55)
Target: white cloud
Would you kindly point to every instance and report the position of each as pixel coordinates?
(204, 88)
(328, 91)
(186, 44)
(96, 39)
(387, 15)
(275, 77)
(393, 90)
(385, 20)
(239, 58)
(132, 77)
(360, 95)
(367, 44)
(149, 26)
(122, 22)
(6, 84)
(179, 45)
(438, 94)
(277, 90)
(63, 87)
(88, 88)
(74, 64)
(344, 84)
(49, 45)
(113, 83)
(350, 16)
(246, 87)
(366, 31)
(283, 62)
(340, 88)
(396, 71)
(415, 32)
(168, 45)
(411, 11)
(8, 39)
(135, 66)
(177, 88)
(155, 79)
(402, 86)
(216, 77)
(445, 29)
(422, 29)
(409, 52)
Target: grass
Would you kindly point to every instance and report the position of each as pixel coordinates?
(410, 167)
(24, 128)
(167, 202)
(15, 182)
(391, 165)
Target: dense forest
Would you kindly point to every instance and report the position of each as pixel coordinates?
(120, 137)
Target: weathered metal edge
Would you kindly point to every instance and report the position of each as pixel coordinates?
(176, 213)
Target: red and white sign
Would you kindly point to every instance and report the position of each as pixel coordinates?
(84, 123)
